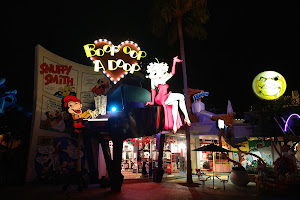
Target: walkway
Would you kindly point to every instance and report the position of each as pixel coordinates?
(134, 189)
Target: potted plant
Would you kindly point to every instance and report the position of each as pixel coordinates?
(252, 172)
(239, 176)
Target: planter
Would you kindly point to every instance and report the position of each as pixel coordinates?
(239, 178)
(252, 177)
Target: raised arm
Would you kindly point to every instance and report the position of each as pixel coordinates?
(175, 60)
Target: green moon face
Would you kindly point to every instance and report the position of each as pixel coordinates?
(269, 85)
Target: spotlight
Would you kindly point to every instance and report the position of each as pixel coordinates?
(114, 109)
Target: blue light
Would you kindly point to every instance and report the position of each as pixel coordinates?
(113, 109)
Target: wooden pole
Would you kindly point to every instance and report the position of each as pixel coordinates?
(214, 168)
(189, 179)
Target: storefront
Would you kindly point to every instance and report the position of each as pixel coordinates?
(205, 160)
(140, 156)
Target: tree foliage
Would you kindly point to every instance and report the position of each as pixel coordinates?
(193, 13)
(280, 105)
(15, 127)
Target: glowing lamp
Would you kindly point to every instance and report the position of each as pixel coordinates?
(269, 85)
(113, 109)
(220, 124)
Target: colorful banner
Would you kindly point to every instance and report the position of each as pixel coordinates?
(55, 78)
(258, 147)
(244, 147)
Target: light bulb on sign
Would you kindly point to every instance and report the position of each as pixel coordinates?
(114, 68)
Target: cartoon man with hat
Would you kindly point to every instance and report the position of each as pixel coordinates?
(74, 108)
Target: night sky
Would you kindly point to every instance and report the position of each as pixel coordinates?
(244, 38)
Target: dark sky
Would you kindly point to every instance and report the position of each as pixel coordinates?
(244, 38)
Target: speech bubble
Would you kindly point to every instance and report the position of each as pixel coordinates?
(87, 97)
(73, 153)
(53, 105)
(42, 159)
(46, 149)
(90, 81)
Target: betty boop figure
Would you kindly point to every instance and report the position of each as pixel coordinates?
(158, 73)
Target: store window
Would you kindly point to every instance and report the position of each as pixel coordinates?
(208, 163)
(139, 156)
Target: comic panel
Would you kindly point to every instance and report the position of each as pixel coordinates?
(93, 85)
(53, 118)
(56, 155)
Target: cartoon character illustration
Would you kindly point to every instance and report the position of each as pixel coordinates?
(54, 157)
(245, 162)
(65, 91)
(100, 87)
(59, 159)
(158, 73)
(55, 120)
(74, 108)
(269, 85)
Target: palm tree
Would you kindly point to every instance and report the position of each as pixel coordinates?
(174, 17)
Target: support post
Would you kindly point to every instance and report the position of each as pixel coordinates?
(91, 149)
(116, 176)
(107, 156)
(189, 179)
(78, 153)
(159, 171)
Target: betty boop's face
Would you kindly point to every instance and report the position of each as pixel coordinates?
(157, 71)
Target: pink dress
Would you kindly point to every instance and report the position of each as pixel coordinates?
(160, 99)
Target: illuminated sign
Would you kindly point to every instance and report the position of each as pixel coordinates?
(269, 85)
(200, 95)
(115, 61)
(287, 121)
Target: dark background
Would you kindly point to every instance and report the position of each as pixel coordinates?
(244, 38)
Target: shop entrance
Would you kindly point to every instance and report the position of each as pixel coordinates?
(205, 160)
(140, 155)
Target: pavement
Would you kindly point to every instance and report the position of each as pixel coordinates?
(173, 189)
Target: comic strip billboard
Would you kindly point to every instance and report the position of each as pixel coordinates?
(51, 147)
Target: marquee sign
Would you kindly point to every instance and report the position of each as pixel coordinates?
(114, 61)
